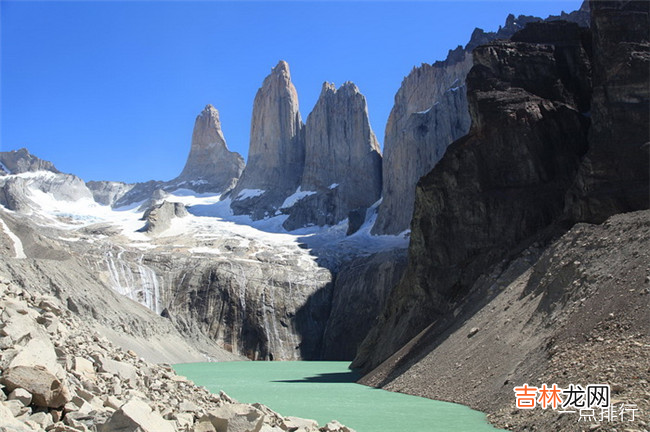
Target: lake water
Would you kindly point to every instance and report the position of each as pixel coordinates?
(326, 390)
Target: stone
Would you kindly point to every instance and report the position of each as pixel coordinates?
(188, 406)
(472, 332)
(343, 161)
(300, 424)
(112, 402)
(84, 367)
(236, 418)
(185, 421)
(43, 419)
(204, 425)
(38, 352)
(16, 407)
(124, 371)
(335, 426)
(210, 165)
(21, 395)
(159, 218)
(8, 421)
(46, 389)
(276, 154)
(133, 415)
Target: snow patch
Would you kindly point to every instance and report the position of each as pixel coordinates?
(249, 193)
(297, 196)
(333, 185)
(4, 168)
(18, 245)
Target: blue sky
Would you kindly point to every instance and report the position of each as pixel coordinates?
(110, 90)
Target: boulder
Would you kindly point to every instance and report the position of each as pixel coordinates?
(124, 371)
(236, 418)
(300, 424)
(21, 395)
(8, 422)
(133, 416)
(46, 389)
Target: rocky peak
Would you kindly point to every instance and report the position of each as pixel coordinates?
(210, 165)
(277, 151)
(20, 161)
(342, 159)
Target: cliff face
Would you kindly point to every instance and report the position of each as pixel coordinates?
(431, 112)
(614, 176)
(276, 154)
(342, 160)
(499, 185)
(210, 165)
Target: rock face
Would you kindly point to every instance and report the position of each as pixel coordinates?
(430, 112)
(368, 281)
(276, 154)
(210, 165)
(259, 305)
(342, 160)
(159, 218)
(24, 175)
(614, 176)
(499, 185)
(21, 161)
(108, 192)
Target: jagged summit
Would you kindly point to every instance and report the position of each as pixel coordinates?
(20, 161)
(342, 169)
(210, 162)
(277, 151)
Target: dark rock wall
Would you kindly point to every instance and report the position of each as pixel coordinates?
(502, 183)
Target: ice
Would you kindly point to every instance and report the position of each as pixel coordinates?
(297, 196)
(249, 193)
(333, 185)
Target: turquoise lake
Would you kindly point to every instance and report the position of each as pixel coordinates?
(326, 390)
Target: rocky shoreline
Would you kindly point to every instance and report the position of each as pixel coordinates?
(59, 375)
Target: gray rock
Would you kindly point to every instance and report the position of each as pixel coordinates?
(210, 165)
(342, 160)
(21, 161)
(159, 218)
(276, 154)
(236, 418)
(136, 415)
(430, 112)
(108, 192)
(300, 424)
(46, 389)
(21, 395)
(8, 422)
(124, 371)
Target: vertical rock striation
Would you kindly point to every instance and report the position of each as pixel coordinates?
(276, 155)
(210, 165)
(342, 160)
(430, 112)
(614, 177)
(496, 187)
